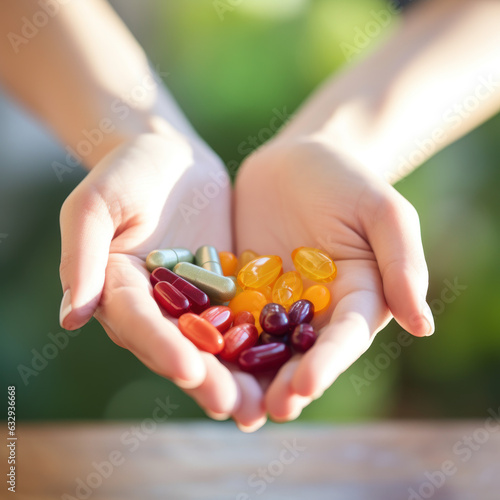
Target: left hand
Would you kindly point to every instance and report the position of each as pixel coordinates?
(302, 193)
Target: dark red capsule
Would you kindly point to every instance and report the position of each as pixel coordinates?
(267, 338)
(264, 357)
(198, 299)
(168, 297)
(243, 317)
(237, 339)
(301, 311)
(274, 319)
(220, 316)
(303, 337)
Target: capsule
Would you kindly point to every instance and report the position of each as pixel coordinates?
(245, 257)
(243, 317)
(219, 316)
(237, 339)
(207, 257)
(267, 338)
(314, 264)
(301, 311)
(264, 357)
(249, 300)
(168, 258)
(303, 337)
(274, 319)
(260, 272)
(320, 297)
(287, 289)
(201, 333)
(173, 301)
(218, 288)
(229, 263)
(198, 299)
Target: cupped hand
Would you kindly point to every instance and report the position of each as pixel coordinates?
(304, 193)
(151, 192)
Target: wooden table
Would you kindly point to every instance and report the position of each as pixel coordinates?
(213, 460)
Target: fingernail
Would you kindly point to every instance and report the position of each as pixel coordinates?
(65, 307)
(217, 416)
(427, 313)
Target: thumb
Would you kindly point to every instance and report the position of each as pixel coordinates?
(87, 229)
(393, 231)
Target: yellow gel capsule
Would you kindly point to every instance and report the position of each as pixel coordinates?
(245, 257)
(267, 291)
(260, 272)
(249, 300)
(314, 264)
(319, 295)
(287, 289)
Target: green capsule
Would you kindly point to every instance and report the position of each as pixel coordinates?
(218, 288)
(207, 257)
(168, 258)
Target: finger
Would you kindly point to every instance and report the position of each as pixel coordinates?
(250, 414)
(218, 394)
(282, 402)
(393, 231)
(87, 228)
(356, 319)
(130, 312)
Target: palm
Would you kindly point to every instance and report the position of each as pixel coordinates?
(303, 200)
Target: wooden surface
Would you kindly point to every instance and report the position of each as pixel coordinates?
(208, 460)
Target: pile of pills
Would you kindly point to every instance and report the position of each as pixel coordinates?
(247, 310)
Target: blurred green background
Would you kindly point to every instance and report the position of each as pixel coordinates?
(230, 64)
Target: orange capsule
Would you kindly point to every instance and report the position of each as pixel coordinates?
(229, 263)
(287, 289)
(201, 333)
(249, 300)
(319, 295)
(245, 257)
(260, 272)
(314, 264)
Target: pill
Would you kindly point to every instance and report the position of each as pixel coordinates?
(249, 300)
(274, 319)
(319, 295)
(207, 257)
(314, 264)
(267, 291)
(303, 337)
(198, 299)
(287, 289)
(260, 272)
(219, 316)
(201, 333)
(264, 357)
(173, 301)
(229, 263)
(267, 338)
(237, 339)
(243, 317)
(168, 258)
(218, 288)
(301, 311)
(245, 257)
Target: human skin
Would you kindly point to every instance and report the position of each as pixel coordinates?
(350, 134)
(325, 181)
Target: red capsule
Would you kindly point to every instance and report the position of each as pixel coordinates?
(303, 337)
(198, 299)
(237, 339)
(267, 338)
(220, 316)
(173, 301)
(301, 311)
(274, 319)
(201, 333)
(243, 317)
(264, 357)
